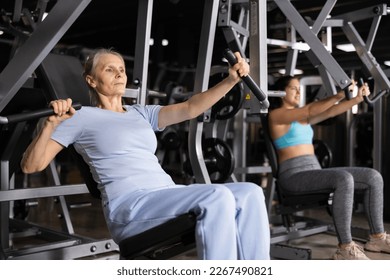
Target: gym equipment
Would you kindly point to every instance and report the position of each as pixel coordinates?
(31, 115)
(372, 100)
(171, 139)
(323, 153)
(162, 242)
(259, 94)
(230, 104)
(218, 158)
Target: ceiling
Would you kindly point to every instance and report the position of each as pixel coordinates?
(113, 24)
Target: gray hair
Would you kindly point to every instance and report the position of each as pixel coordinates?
(89, 69)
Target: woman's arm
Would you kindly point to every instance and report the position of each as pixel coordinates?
(199, 103)
(318, 111)
(285, 116)
(43, 149)
(341, 107)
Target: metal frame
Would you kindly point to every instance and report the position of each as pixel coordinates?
(201, 84)
(37, 47)
(141, 58)
(363, 50)
(318, 52)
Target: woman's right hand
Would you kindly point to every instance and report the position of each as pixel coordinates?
(63, 110)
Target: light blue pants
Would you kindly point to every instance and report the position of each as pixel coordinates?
(232, 221)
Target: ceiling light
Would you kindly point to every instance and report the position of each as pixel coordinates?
(296, 71)
(164, 42)
(387, 63)
(346, 47)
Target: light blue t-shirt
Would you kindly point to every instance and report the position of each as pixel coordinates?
(118, 147)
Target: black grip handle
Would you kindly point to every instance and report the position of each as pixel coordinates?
(25, 116)
(258, 93)
(371, 101)
(360, 82)
(348, 93)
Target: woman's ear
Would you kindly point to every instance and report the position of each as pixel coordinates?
(90, 81)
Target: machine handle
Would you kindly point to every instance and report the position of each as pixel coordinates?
(260, 95)
(25, 116)
(371, 101)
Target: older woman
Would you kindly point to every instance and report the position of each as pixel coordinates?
(118, 142)
(300, 172)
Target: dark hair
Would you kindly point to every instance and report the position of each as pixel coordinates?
(280, 85)
(90, 66)
(283, 82)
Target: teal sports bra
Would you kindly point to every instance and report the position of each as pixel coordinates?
(297, 134)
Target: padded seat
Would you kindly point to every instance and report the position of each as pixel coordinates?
(162, 242)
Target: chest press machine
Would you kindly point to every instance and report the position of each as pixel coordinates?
(165, 241)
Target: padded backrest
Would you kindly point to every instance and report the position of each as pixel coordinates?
(61, 76)
(85, 172)
(271, 151)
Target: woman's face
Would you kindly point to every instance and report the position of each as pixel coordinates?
(292, 97)
(109, 77)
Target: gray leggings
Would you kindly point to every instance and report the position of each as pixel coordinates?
(303, 174)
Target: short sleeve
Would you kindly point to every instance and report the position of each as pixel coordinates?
(150, 113)
(69, 130)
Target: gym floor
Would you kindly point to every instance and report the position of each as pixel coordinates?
(87, 219)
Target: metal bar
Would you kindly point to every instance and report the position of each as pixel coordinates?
(372, 34)
(323, 16)
(292, 54)
(367, 58)
(224, 13)
(69, 252)
(17, 10)
(4, 206)
(327, 81)
(142, 47)
(5, 183)
(232, 39)
(49, 191)
(68, 226)
(202, 76)
(377, 137)
(291, 61)
(315, 44)
(362, 14)
(258, 50)
(37, 47)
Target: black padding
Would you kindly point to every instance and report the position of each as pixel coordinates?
(271, 151)
(179, 231)
(61, 76)
(85, 172)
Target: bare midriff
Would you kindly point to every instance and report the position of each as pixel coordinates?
(295, 151)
